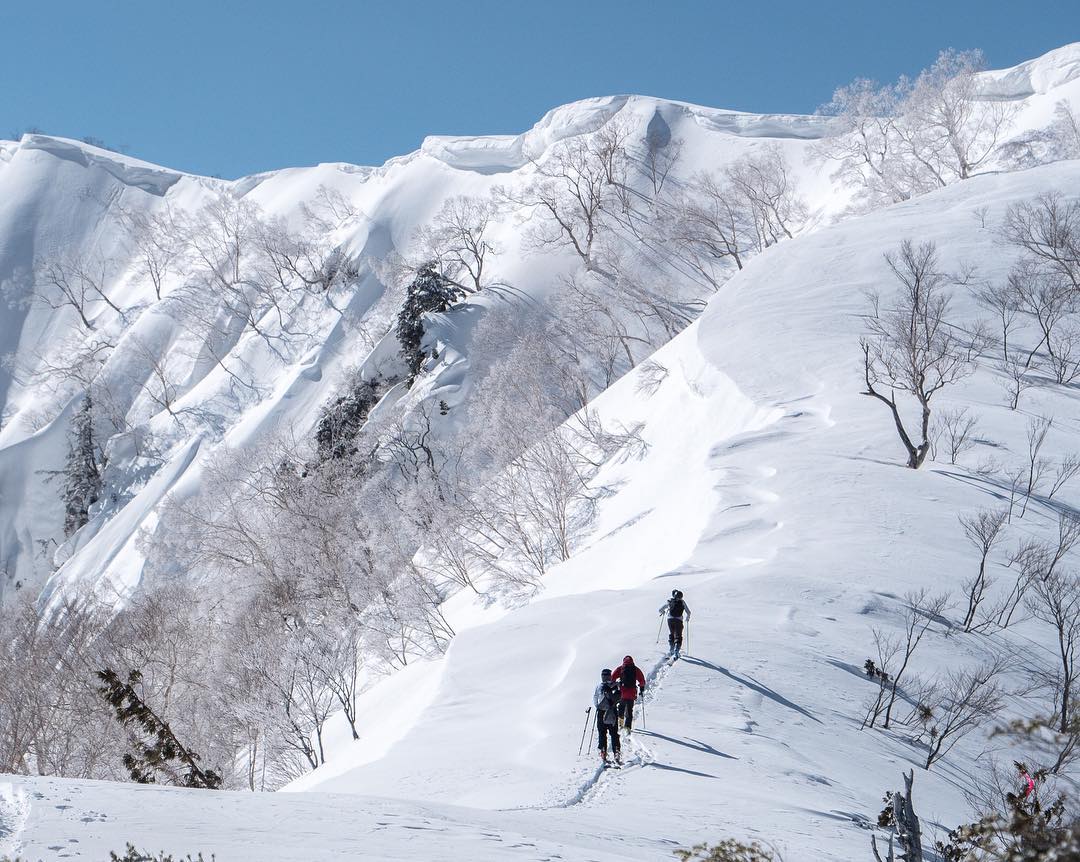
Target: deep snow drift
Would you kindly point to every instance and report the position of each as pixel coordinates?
(771, 492)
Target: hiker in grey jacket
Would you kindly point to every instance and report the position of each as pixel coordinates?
(675, 608)
(606, 701)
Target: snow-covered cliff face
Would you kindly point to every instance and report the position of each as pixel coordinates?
(175, 384)
(173, 401)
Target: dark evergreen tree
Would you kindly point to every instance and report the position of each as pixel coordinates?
(342, 419)
(429, 293)
(159, 751)
(82, 485)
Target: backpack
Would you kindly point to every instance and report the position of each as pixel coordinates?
(609, 703)
(676, 607)
(628, 676)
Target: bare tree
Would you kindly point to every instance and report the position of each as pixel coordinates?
(1035, 561)
(914, 347)
(713, 227)
(661, 156)
(576, 192)
(1016, 380)
(1064, 471)
(888, 649)
(1003, 301)
(64, 282)
(1063, 350)
(1045, 297)
(983, 530)
(1036, 466)
(337, 659)
(959, 704)
(922, 609)
(457, 242)
(953, 430)
(1056, 602)
(769, 194)
(158, 242)
(1047, 229)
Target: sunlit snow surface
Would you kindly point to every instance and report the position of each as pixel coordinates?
(771, 493)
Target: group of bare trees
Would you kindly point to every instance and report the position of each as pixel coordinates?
(723, 218)
(1041, 591)
(222, 272)
(916, 346)
(1040, 294)
(897, 141)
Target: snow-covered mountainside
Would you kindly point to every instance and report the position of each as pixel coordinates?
(762, 483)
(67, 199)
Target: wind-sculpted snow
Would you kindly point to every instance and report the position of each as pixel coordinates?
(1039, 76)
(132, 172)
(762, 483)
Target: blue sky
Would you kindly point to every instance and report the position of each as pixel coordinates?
(230, 87)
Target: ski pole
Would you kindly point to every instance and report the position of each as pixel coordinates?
(643, 724)
(660, 630)
(585, 731)
(688, 634)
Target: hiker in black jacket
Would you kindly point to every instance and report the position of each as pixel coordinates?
(606, 701)
(675, 607)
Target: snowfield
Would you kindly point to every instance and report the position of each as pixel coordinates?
(769, 490)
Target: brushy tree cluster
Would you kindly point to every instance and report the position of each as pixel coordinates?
(728, 850)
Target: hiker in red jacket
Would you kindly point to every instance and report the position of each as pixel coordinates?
(631, 680)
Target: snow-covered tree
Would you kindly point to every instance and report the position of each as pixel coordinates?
(340, 421)
(896, 141)
(82, 472)
(428, 293)
(946, 127)
(578, 192)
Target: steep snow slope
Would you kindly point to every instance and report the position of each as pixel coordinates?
(62, 197)
(773, 494)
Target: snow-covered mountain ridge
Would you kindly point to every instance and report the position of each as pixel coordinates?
(767, 487)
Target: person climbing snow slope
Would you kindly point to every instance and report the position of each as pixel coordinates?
(675, 607)
(631, 682)
(606, 701)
